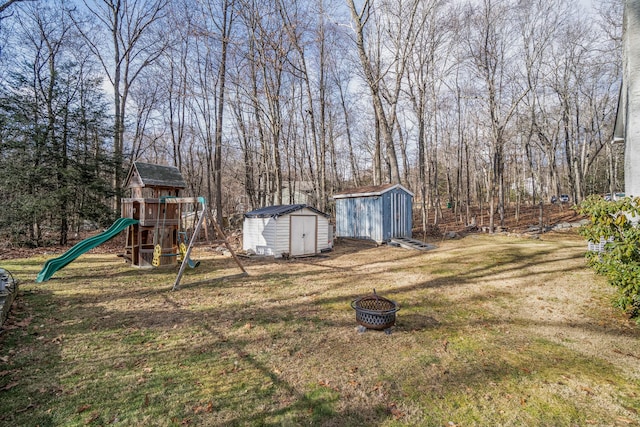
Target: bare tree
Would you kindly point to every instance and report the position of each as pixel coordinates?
(5, 4)
(360, 18)
(133, 44)
(492, 55)
(422, 85)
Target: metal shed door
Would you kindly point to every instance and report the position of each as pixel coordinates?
(303, 235)
(399, 216)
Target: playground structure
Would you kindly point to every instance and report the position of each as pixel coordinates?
(55, 264)
(161, 227)
(161, 230)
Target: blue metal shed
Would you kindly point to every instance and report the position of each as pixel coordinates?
(377, 213)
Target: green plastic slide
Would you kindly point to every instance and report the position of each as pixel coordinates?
(55, 264)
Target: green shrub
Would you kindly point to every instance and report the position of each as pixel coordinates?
(617, 223)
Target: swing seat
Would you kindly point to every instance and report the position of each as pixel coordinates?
(183, 251)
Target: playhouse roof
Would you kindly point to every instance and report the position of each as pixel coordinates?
(279, 210)
(371, 190)
(150, 175)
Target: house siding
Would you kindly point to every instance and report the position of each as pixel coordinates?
(630, 96)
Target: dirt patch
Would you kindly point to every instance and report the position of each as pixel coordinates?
(515, 220)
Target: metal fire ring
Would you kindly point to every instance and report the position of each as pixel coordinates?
(375, 312)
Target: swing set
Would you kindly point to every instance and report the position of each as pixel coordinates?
(161, 234)
(182, 239)
(167, 231)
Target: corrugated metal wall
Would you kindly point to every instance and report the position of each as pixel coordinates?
(360, 217)
(400, 214)
(378, 218)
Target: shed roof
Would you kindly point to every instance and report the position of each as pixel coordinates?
(278, 210)
(156, 175)
(370, 190)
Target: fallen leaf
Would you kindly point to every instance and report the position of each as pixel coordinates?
(326, 384)
(24, 322)
(587, 389)
(94, 416)
(83, 408)
(198, 409)
(397, 414)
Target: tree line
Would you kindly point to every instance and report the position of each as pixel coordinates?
(469, 104)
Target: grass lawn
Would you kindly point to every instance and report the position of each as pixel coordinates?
(493, 330)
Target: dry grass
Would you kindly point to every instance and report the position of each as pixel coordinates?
(492, 331)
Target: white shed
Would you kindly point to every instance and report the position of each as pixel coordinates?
(287, 230)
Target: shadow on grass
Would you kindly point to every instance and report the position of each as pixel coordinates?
(23, 391)
(146, 310)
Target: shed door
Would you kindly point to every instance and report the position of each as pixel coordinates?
(399, 216)
(303, 235)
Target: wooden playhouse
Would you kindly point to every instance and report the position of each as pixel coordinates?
(155, 203)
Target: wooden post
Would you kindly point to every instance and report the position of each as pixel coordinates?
(185, 260)
(228, 245)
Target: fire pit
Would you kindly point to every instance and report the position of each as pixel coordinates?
(375, 312)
